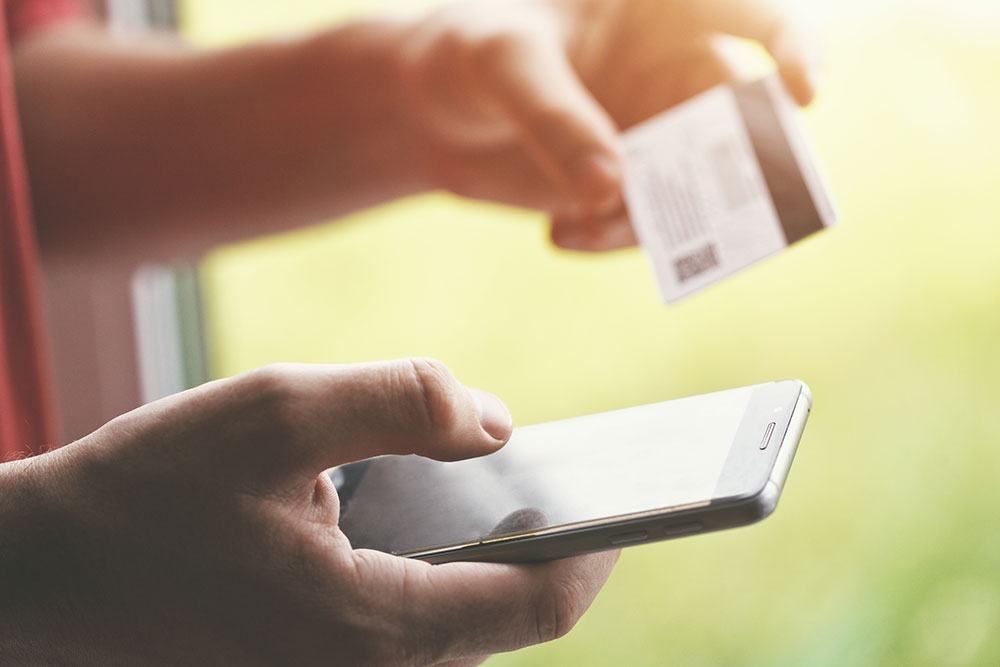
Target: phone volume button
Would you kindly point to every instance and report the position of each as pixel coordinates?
(628, 538)
(683, 528)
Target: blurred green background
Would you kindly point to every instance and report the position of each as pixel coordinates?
(885, 548)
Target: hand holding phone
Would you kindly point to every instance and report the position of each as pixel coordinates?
(581, 485)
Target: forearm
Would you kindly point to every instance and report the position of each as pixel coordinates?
(175, 148)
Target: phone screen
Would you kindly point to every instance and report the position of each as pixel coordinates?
(589, 468)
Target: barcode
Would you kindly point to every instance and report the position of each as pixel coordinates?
(696, 263)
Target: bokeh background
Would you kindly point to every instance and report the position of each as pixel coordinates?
(885, 549)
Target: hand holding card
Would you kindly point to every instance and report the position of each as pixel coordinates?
(721, 181)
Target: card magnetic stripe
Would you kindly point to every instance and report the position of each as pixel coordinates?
(793, 201)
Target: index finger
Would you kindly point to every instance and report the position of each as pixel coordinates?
(791, 40)
(463, 609)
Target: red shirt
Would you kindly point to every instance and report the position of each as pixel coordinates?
(27, 411)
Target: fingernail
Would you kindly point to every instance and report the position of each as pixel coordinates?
(494, 416)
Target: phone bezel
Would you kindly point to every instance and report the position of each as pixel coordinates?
(734, 503)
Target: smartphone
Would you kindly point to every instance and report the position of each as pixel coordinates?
(601, 481)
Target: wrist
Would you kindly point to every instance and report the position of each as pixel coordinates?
(360, 72)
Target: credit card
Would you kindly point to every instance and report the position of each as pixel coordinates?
(721, 181)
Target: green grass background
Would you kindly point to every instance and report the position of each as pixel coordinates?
(885, 548)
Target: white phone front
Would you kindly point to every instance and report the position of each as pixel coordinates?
(601, 481)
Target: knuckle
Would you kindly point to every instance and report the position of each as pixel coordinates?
(493, 49)
(269, 391)
(428, 395)
(443, 50)
(453, 42)
(268, 375)
(559, 608)
(398, 637)
(506, 50)
(424, 643)
(269, 382)
(550, 119)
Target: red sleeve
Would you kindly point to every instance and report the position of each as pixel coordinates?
(23, 16)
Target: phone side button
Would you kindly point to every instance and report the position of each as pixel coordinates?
(628, 538)
(683, 528)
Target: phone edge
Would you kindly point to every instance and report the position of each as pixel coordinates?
(733, 512)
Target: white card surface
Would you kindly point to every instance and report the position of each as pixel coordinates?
(719, 182)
